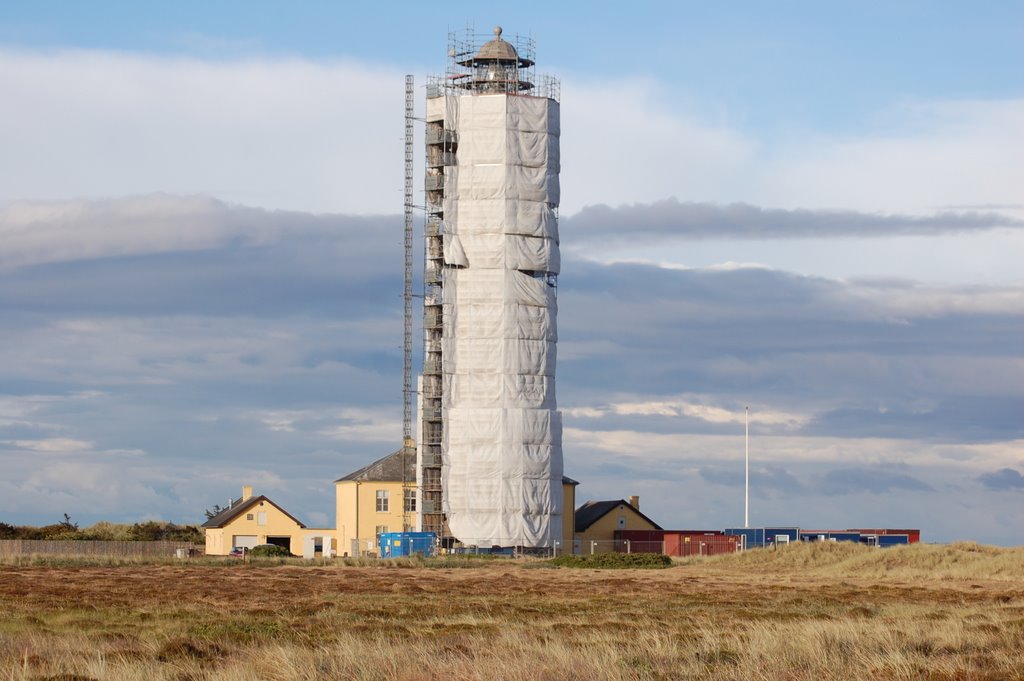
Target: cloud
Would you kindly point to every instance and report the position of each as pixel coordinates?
(772, 478)
(914, 157)
(872, 480)
(672, 220)
(931, 153)
(283, 132)
(324, 135)
(41, 232)
(1003, 479)
(52, 445)
(622, 140)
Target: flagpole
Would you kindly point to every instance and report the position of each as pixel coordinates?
(746, 459)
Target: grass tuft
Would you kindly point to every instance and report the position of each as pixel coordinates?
(613, 561)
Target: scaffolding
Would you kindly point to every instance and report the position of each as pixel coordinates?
(482, 64)
(408, 442)
(466, 72)
(441, 146)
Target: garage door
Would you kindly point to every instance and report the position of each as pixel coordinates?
(246, 541)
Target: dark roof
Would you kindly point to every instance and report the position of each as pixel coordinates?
(238, 507)
(388, 469)
(566, 480)
(592, 511)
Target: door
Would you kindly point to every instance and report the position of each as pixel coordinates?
(244, 541)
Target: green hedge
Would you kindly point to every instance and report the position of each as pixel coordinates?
(269, 550)
(613, 561)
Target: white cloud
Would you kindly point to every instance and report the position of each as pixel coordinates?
(51, 445)
(706, 412)
(24, 410)
(644, 448)
(369, 425)
(939, 154)
(624, 142)
(325, 136)
(282, 133)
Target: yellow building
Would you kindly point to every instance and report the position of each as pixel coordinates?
(597, 521)
(373, 500)
(253, 520)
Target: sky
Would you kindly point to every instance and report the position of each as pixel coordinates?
(816, 211)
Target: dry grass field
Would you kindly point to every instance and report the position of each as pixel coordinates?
(804, 612)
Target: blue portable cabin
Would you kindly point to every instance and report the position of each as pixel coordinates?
(399, 544)
(751, 537)
(757, 537)
(829, 535)
(883, 540)
(791, 533)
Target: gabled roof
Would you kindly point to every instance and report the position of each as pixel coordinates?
(592, 511)
(238, 507)
(387, 469)
(566, 480)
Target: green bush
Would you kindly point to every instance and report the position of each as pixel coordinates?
(156, 530)
(269, 551)
(153, 530)
(613, 561)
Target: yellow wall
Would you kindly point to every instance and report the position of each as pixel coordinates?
(603, 531)
(568, 517)
(278, 524)
(358, 517)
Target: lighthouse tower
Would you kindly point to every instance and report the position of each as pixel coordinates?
(490, 447)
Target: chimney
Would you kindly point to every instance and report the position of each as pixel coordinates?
(634, 501)
(246, 492)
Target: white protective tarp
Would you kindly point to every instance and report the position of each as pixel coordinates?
(502, 442)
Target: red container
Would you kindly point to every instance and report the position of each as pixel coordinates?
(639, 541)
(699, 544)
(676, 542)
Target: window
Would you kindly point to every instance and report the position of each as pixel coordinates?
(248, 516)
(382, 501)
(410, 501)
(621, 522)
(261, 518)
(381, 529)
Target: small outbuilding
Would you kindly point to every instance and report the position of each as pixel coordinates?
(598, 521)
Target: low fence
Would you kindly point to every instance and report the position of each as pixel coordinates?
(85, 547)
(676, 545)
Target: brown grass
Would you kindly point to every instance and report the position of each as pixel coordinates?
(806, 612)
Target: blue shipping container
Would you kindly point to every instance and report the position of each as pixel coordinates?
(763, 536)
(893, 539)
(398, 544)
(829, 536)
(792, 532)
